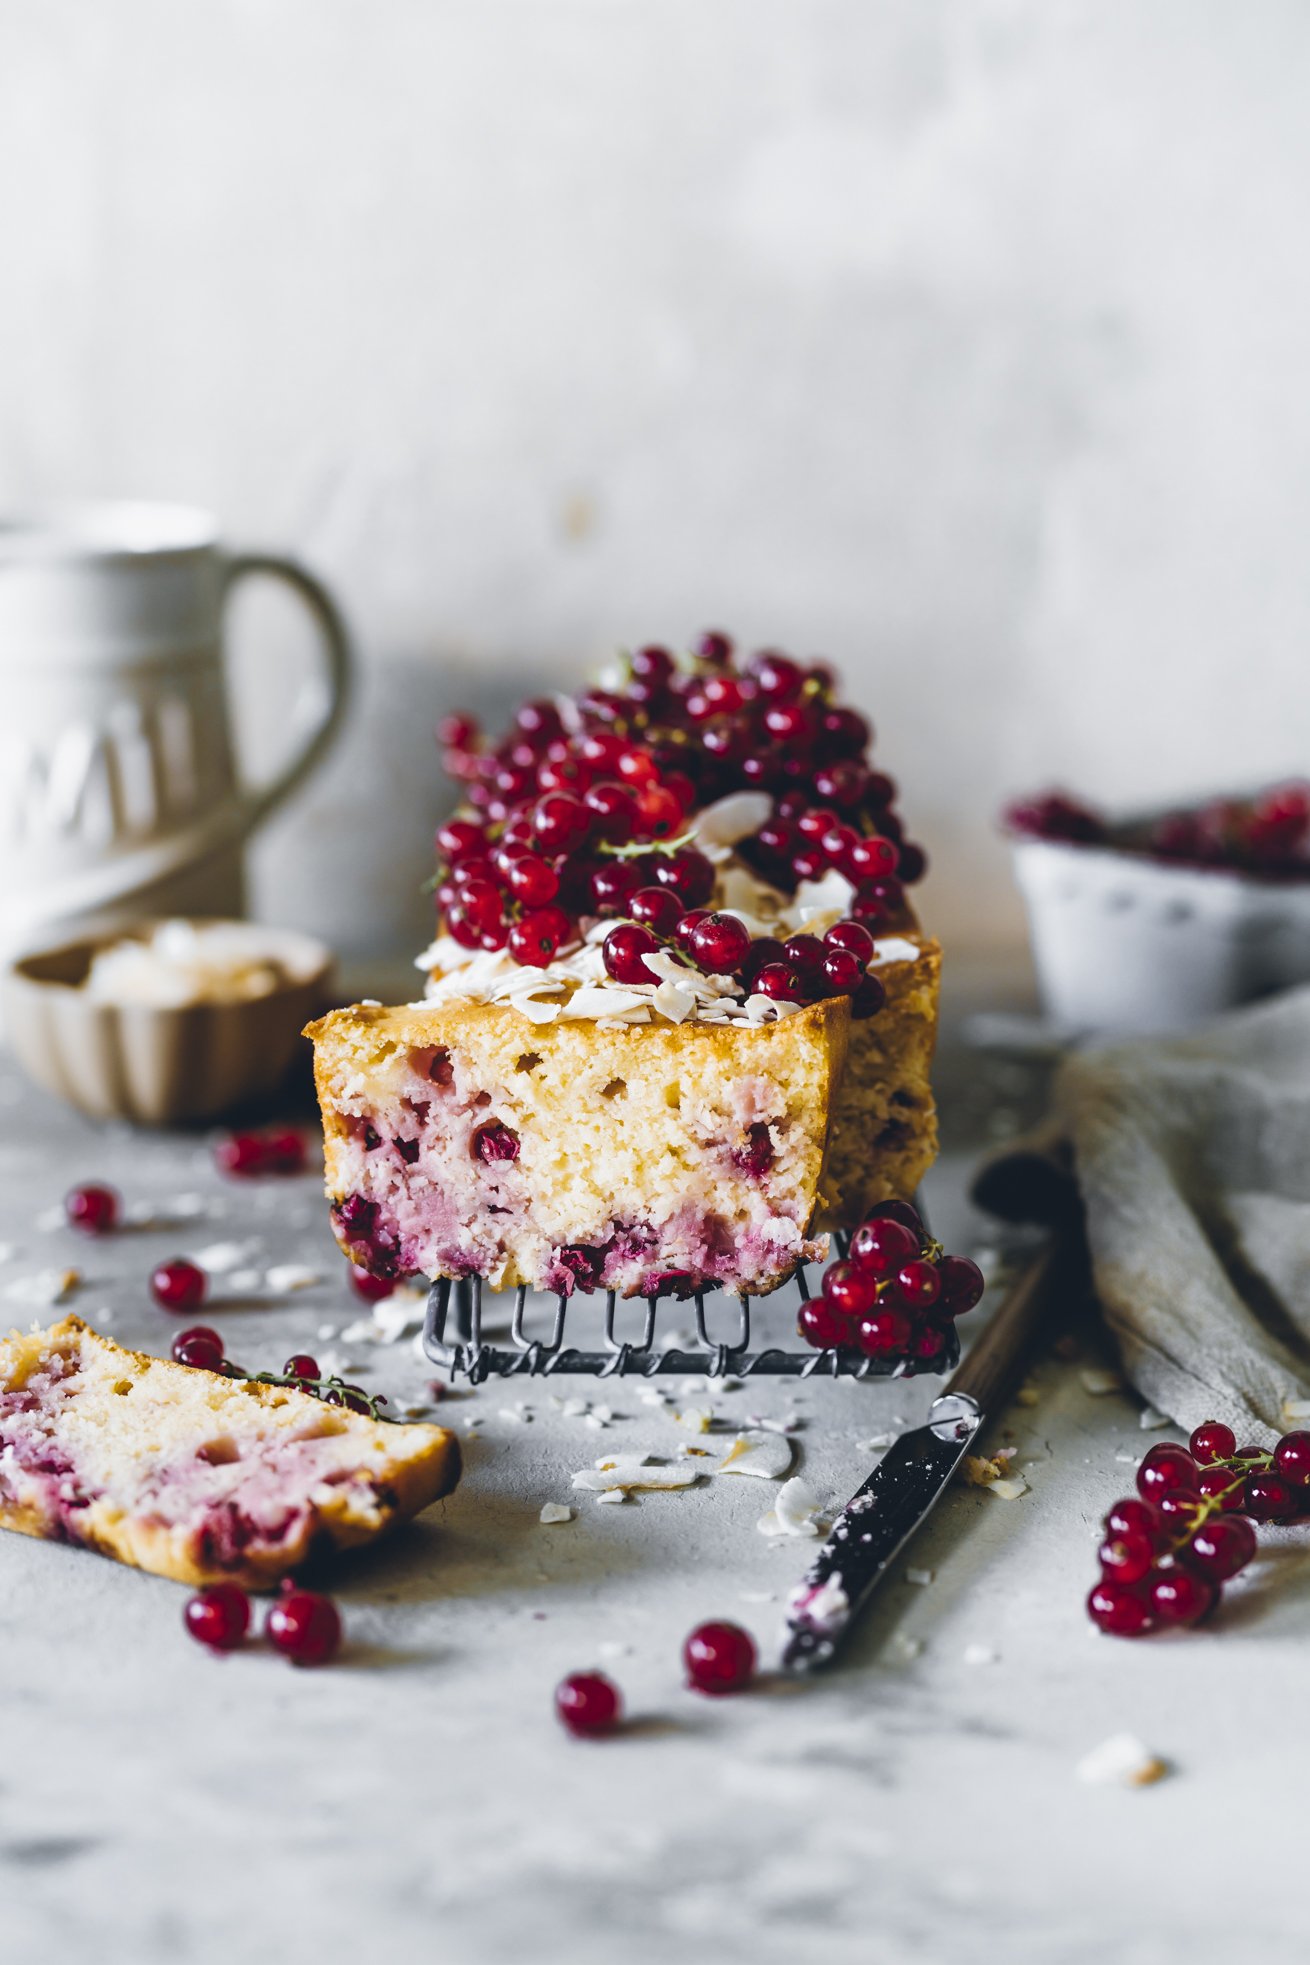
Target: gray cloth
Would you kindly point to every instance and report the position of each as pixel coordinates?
(1192, 1158)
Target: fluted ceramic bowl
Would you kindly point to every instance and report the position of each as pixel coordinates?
(1127, 945)
(157, 1066)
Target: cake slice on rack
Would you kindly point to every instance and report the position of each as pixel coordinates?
(679, 1014)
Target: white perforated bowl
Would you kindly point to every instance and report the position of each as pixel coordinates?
(1128, 945)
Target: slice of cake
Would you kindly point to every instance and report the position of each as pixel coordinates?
(192, 1475)
(679, 1015)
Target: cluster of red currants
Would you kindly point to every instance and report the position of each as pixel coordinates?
(1169, 1549)
(896, 1293)
(201, 1347)
(1267, 835)
(800, 970)
(718, 1658)
(302, 1624)
(561, 815)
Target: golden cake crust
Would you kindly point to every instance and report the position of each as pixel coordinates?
(134, 1409)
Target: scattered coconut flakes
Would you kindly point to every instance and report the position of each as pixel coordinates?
(793, 1513)
(555, 1511)
(629, 1472)
(612, 1495)
(324, 1331)
(729, 820)
(1150, 1420)
(245, 1282)
(686, 1451)
(695, 1419)
(1121, 1761)
(335, 1364)
(220, 1257)
(876, 1443)
(650, 1395)
(765, 1456)
(611, 1648)
(573, 1408)
(392, 1318)
(286, 1277)
(980, 1654)
(923, 1577)
(1099, 1382)
(43, 1290)
(1009, 1490)
(514, 1418)
(790, 1423)
(1296, 1408)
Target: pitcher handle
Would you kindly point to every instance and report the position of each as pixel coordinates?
(320, 719)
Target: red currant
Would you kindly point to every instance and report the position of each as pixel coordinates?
(459, 839)
(1267, 1498)
(495, 1142)
(962, 1284)
(94, 1209)
(919, 1284)
(559, 821)
(1119, 1610)
(1127, 1558)
(301, 1365)
(178, 1285)
(241, 1154)
(851, 1290)
(883, 1246)
(200, 1347)
(218, 1616)
(1292, 1459)
(531, 881)
(777, 981)
(886, 1333)
(304, 1626)
(612, 885)
(870, 859)
(1165, 1467)
(659, 812)
(869, 998)
(821, 1325)
(625, 950)
(1212, 1441)
(688, 874)
(535, 940)
(656, 908)
(719, 1658)
(1223, 1485)
(719, 943)
(1219, 1549)
(588, 1704)
(842, 971)
(1181, 1596)
(854, 938)
(1133, 1517)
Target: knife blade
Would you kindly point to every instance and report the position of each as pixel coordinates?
(900, 1493)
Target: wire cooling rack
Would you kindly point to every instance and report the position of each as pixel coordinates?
(453, 1339)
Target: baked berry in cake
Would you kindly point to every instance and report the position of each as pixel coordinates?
(679, 1015)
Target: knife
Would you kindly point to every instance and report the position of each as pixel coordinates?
(903, 1488)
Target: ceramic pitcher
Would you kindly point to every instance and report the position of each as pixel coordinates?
(119, 790)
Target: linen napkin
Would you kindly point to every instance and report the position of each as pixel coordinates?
(1192, 1162)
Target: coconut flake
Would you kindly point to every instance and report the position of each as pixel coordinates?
(286, 1277)
(1121, 1761)
(793, 1513)
(765, 1456)
(555, 1511)
(732, 819)
(1099, 1382)
(43, 1290)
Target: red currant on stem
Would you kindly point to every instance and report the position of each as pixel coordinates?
(1292, 1459)
(719, 943)
(1127, 1558)
(1181, 1596)
(301, 1365)
(200, 1347)
(851, 1290)
(656, 908)
(823, 1326)
(883, 1246)
(1212, 1441)
(1165, 1466)
(919, 1284)
(886, 1333)
(1118, 1609)
(588, 1704)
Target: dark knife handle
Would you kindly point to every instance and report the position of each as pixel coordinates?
(993, 1360)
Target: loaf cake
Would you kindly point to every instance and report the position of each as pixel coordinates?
(192, 1475)
(679, 1014)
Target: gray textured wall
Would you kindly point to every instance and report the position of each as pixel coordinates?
(963, 343)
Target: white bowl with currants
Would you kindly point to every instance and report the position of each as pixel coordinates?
(1153, 924)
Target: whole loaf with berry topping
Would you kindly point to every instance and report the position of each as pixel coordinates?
(679, 1013)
